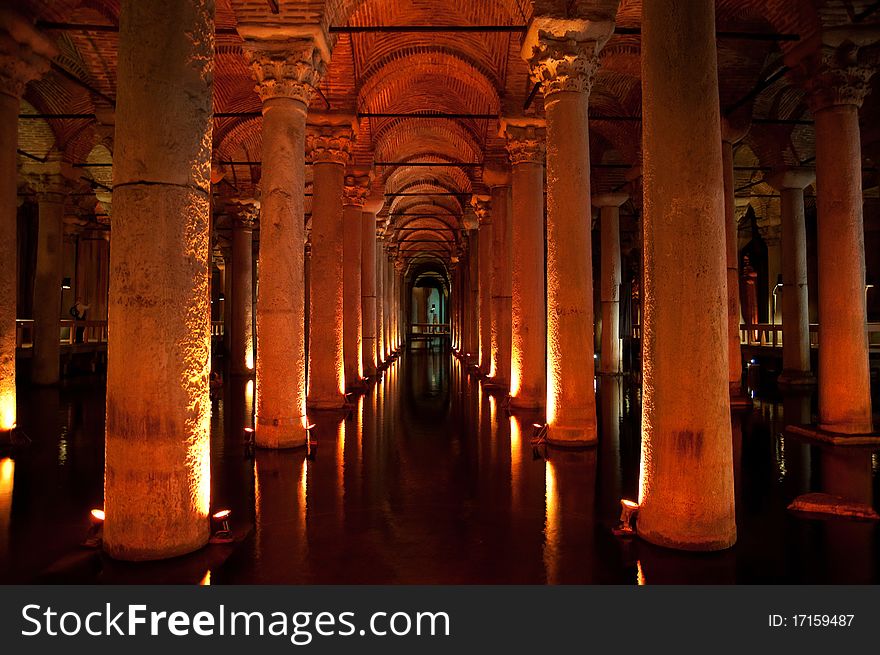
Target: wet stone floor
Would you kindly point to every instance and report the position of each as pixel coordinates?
(429, 480)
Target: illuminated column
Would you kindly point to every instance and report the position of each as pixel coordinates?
(379, 250)
(356, 190)
(686, 481)
(482, 208)
(473, 347)
(24, 56)
(795, 308)
(729, 136)
(50, 184)
(609, 229)
(386, 303)
(328, 146)
(497, 178)
(286, 73)
(563, 55)
(157, 488)
(242, 300)
(837, 85)
(528, 377)
(369, 336)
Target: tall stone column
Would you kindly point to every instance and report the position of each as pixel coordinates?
(837, 85)
(51, 186)
(245, 217)
(528, 374)
(24, 56)
(564, 56)
(378, 316)
(473, 348)
(609, 229)
(286, 73)
(157, 487)
(497, 178)
(731, 134)
(356, 190)
(369, 336)
(686, 482)
(795, 308)
(329, 145)
(483, 210)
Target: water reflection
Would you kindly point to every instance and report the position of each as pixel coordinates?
(7, 482)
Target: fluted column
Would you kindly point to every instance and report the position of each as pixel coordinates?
(52, 188)
(356, 190)
(609, 294)
(837, 84)
(24, 56)
(286, 74)
(528, 378)
(686, 482)
(795, 303)
(241, 326)
(483, 210)
(328, 146)
(369, 283)
(563, 55)
(731, 134)
(157, 487)
(497, 178)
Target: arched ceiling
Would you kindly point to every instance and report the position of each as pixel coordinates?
(387, 76)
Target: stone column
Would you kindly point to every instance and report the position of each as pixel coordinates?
(731, 134)
(686, 481)
(356, 190)
(369, 336)
(329, 146)
(286, 73)
(245, 216)
(483, 210)
(497, 178)
(609, 228)
(157, 487)
(564, 56)
(51, 186)
(528, 376)
(837, 85)
(770, 233)
(795, 308)
(473, 348)
(378, 316)
(24, 56)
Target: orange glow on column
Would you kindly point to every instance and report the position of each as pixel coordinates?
(206, 581)
(7, 480)
(515, 373)
(7, 406)
(551, 524)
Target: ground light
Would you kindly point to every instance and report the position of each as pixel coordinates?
(628, 510)
(95, 535)
(311, 444)
(224, 534)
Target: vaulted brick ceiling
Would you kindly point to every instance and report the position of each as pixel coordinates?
(458, 73)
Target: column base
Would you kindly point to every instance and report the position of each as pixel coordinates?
(709, 544)
(523, 404)
(817, 434)
(494, 384)
(126, 554)
(326, 404)
(827, 504)
(610, 374)
(246, 373)
(280, 434)
(790, 379)
(738, 398)
(357, 387)
(572, 436)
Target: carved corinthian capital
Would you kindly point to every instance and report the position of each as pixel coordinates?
(291, 69)
(833, 76)
(526, 141)
(356, 189)
(24, 53)
(563, 54)
(482, 208)
(329, 144)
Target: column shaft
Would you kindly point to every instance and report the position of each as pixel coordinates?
(502, 282)
(368, 294)
(473, 348)
(379, 256)
(242, 300)
(686, 495)
(46, 362)
(609, 227)
(528, 379)
(844, 376)
(352, 320)
(157, 489)
(485, 291)
(795, 303)
(9, 108)
(734, 349)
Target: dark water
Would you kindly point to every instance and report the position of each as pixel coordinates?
(430, 481)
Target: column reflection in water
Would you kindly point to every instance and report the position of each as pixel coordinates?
(7, 483)
(610, 482)
(793, 455)
(569, 525)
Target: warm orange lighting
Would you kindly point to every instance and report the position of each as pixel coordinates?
(222, 514)
(640, 574)
(551, 523)
(7, 482)
(7, 409)
(249, 430)
(206, 581)
(98, 514)
(629, 504)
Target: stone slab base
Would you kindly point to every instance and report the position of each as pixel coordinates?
(795, 380)
(817, 435)
(819, 503)
(740, 402)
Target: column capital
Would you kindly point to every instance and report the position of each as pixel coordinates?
(51, 180)
(791, 178)
(609, 199)
(245, 213)
(25, 53)
(526, 139)
(771, 233)
(496, 174)
(330, 137)
(734, 129)
(482, 208)
(356, 189)
(374, 204)
(563, 53)
(832, 76)
(285, 69)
